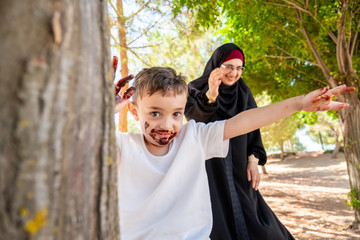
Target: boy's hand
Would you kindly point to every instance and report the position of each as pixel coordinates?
(121, 101)
(321, 100)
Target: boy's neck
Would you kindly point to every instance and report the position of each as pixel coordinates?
(157, 150)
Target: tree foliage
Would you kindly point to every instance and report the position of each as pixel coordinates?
(156, 38)
(328, 127)
(273, 138)
(280, 59)
(293, 46)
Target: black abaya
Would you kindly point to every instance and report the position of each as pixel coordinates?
(239, 212)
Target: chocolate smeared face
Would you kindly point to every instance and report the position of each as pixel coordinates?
(161, 119)
(162, 137)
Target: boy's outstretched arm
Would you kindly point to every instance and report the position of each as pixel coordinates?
(318, 100)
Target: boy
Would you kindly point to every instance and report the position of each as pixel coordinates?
(162, 183)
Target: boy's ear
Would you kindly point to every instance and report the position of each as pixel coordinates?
(132, 109)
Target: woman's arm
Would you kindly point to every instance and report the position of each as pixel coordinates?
(198, 108)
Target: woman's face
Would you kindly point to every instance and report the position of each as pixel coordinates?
(232, 71)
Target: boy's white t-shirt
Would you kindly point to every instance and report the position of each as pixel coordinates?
(168, 197)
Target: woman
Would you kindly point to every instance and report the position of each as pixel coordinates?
(239, 211)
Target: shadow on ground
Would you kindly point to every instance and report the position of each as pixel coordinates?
(308, 192)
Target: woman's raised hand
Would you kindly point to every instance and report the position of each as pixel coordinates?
(214, 82)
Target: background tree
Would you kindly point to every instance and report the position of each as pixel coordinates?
(181, 46)
(57, 177)
(279, 133)
(147, 34)
(275, 136)
(295, 46)
(128, 29)
(121, 22)
(153, 31)
(327, 126)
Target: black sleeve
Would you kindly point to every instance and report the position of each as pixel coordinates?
(255, 146)
(254, 141)
(199, 109)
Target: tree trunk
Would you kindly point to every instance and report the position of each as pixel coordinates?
(350, 118)
(123, 60)
(336, 149)
(292, 149)
(336, 133)
(57, 151)
(321, 141)
(282, 155)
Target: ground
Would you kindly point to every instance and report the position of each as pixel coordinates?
(307, 192)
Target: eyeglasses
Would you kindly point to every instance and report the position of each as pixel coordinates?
(232, 68)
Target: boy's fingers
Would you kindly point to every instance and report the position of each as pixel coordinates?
(341, 89)
(337, 105)
(115, 62)
(122, 82)
(128, 93)
(322, 91)
(326, 94)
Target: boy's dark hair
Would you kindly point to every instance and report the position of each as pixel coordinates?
(158, 79)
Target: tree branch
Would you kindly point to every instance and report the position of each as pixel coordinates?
(316, 53)
(294, 57)
(151, 26)
(114, 39)
(291, 5)
(137, 56)
(354, 38)
(290, 57)
(147, 46)
(114, 8)
(304, 73)
(356, 11)
(138, 11)
(344, 46)
(306, 3)
(296, 7)
(286, 30)
(132, 15)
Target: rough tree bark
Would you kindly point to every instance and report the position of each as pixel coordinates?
(349, 117)
(57, 151)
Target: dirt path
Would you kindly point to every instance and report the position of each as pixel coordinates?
(307, 192)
